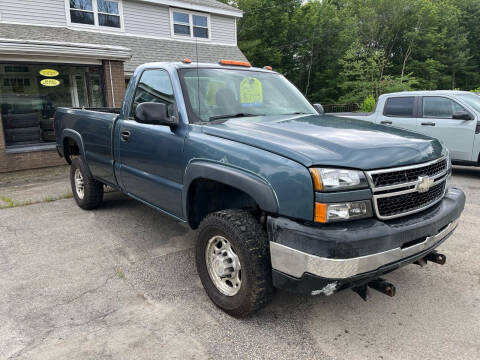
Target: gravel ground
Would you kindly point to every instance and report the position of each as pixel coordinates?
(120, 283)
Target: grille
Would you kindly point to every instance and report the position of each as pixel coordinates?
(408, 175)
(399, 204)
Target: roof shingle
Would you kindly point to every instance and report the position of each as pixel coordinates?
(143, 49)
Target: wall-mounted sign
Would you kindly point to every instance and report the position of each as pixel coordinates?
(49, 72)
(50, 82)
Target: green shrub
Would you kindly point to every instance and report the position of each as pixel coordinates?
(368, 104)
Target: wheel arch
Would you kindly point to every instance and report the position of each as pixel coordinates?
(72, 144)
(234, 186)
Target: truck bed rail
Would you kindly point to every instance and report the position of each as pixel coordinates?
(101, 109)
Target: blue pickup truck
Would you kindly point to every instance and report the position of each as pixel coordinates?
(282, 195)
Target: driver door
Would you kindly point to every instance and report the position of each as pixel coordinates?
(151, 165)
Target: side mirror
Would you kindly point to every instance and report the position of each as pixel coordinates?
(319, 109)
(154, 113)
(462, 115)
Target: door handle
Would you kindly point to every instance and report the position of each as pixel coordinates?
(125, 135)
(428, 123)
(386, 122)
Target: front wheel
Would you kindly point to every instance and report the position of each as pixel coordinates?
(87, 191)
(233, 262)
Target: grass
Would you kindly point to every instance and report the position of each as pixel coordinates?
(120, 273)
(8, 201)
(11, 203)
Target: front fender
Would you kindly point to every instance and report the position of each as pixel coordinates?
(257, 188)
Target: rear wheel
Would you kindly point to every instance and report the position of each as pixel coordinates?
(233, 262)
(87, 191)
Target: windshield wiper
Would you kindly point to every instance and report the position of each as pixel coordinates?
(298, 113)
(233, 116)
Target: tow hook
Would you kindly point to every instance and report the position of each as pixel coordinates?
(436, 258)
(379, 285)
(433, 257)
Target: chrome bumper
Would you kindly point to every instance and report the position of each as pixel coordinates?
(295, 263)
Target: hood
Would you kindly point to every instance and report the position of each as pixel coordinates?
(330, 141)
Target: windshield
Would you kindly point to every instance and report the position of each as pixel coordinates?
(217, 94)
(472, 100)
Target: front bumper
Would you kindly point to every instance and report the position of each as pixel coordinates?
(324, 259)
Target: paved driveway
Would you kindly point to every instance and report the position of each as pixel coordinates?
(120, 283)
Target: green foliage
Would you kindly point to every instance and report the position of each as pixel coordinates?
(368, 104)
(346, 50)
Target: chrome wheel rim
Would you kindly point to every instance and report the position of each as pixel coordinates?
(223, 265)
(79, 184)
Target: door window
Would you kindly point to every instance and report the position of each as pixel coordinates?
(399, 106)
(154, 86)
(440, 107)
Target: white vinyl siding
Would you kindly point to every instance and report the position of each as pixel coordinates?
(223, 29)
(139, 18)
(33, 12)
(146, 19)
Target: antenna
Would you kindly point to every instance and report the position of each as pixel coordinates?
(198, 79)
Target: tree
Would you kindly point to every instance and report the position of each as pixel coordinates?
(345, 50)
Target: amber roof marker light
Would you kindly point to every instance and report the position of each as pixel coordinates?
(268, 67)
(187, 61)
(235, 63)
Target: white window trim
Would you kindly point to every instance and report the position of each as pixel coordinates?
(190, 24)
(95, 11)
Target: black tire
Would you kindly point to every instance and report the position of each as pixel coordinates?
(92, 189)
(22, 134)
(46, 124)
(48, 135)
(250, 243)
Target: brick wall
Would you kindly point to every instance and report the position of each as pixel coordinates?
(29, 160)
(2, 137)
(39, 159)
(118, 80)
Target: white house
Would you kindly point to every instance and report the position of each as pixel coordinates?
(80, 52)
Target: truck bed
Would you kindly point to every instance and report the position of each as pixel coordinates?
(96, 126)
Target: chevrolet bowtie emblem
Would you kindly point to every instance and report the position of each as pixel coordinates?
(424, 183)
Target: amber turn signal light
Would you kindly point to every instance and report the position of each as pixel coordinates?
(317, 180)
(320, 212)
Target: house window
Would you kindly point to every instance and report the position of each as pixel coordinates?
(108, 14)
(190, 25)
(98, 13)
(81, 12)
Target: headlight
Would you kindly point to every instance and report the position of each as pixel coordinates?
(342, 211)
(449, 170)
(449, 162)
(329, 179)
